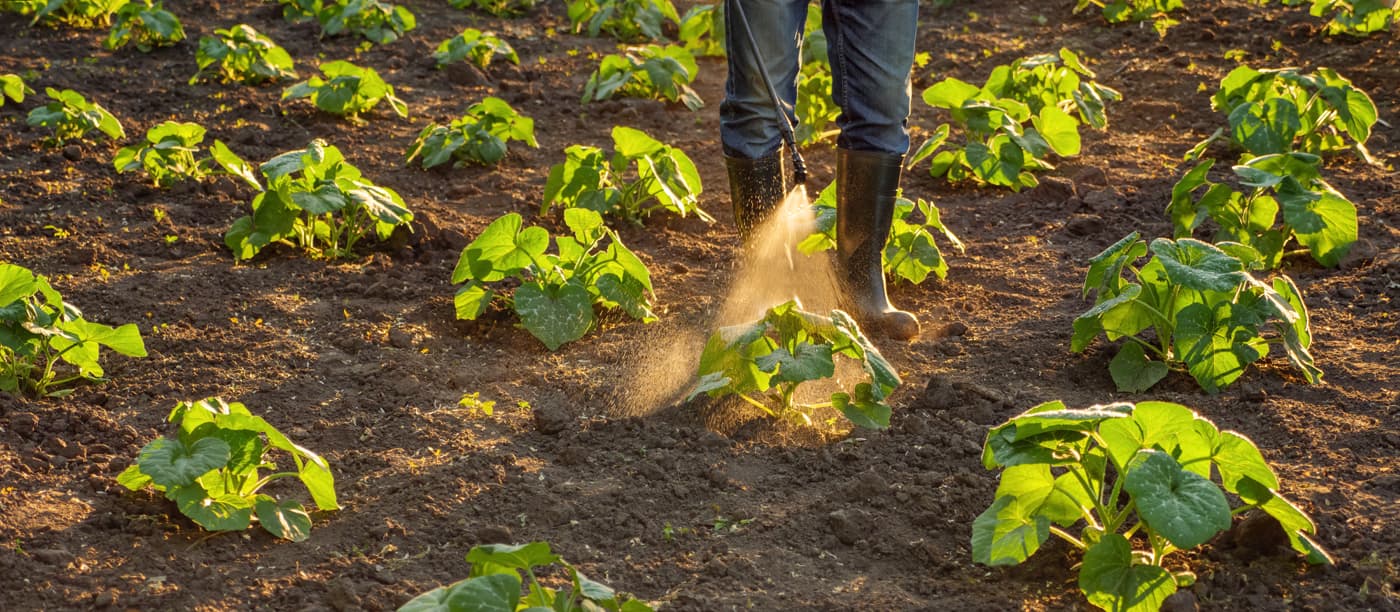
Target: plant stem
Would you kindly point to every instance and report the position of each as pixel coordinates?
(1066, 536)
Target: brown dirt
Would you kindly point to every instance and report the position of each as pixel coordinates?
(363, 361)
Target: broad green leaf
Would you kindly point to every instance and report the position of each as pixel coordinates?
(1133, 372)
(1040, 493)
(1297, 335)
(171, 463)
(1059, 129)
(949, 93)
(471, 300)
(1079, 420)
(1106, 269)
(1265, 128)
(226, 512)
(1198, 265)
(285, 519)
(555, 314)
(520, 557)
(1237, 459)
(1111, 580)
(494, 593)
(1005, 450)
(501, 249)
(810, 362)
(133, 479)
(862, 408)
(1215, 352)
(1325, 222)
(1121, 315)
(1179, 505)
(1007, 533)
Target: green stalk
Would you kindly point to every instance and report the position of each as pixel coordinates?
(269, 478)
(1066, 536)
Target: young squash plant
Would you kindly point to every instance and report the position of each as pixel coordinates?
(1282, 111)
(765, 362)
(146, 25)
(170, 154)
(241, 54)
(479, 136)
(377, 21)
(1206, 312)
(497, 8)
(557, 291)
(1356, 17)
(13, 87)
(1128, 474)
(628, 21)
(74, 13)
(213, 469)
(652, 72)
(1015, 120)
(815, 109)
(910, 252)
(665, 177)
(42, 337)
(1285, 201)
(346, 90)
(495, 583)
(71, 116)
(702, 30)
(475, 46)
(1123, 11)
(317, 202)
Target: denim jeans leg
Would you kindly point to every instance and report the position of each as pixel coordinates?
(748, 124)
(871, 44)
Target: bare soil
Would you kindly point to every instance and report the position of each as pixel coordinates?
(363, 360)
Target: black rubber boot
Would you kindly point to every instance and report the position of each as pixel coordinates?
(756, 188)
(866, 186)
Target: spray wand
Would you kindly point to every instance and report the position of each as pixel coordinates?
(799, 168)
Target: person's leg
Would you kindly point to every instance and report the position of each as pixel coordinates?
(749, 130)
(871, 44)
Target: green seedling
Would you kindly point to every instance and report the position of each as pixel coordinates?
(475, 46)
(377, 21)
(479, 136)
(815, 109)
(171, 154)
(1122, 11)
(557, 293)
(1024, 112)
(1355, 17)
(495, 585)
(628, 21)
(1138, 478)
(1282, 111)
(13, 88)
(242, 55)
(146, 25)
(910, 252)
(497, 8)
(1207, 314)
(317, 202)
(71, 116)
(765, 362)
(652, 72)
(1285, 201)
(213, 470)
(42, 337)
(666, 179)
(75, 13)
(702, 30)
(346, 90)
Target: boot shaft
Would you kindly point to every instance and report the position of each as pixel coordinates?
(756, 188)
(866, 186)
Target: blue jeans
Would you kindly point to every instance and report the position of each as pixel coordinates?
(871, 47)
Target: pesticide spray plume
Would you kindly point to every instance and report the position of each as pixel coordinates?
(769, 272)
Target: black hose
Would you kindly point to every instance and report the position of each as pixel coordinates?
(799, 168)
